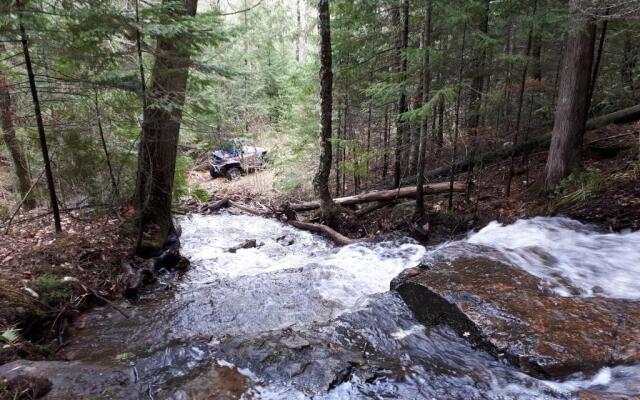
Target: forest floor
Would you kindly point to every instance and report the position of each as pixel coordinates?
(47, 279)
(605, 194)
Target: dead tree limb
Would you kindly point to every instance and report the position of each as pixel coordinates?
(384, 195)
(337, 237)
(24, 198)
(216, 205)
(244, 208)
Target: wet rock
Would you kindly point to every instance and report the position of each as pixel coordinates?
(510, 313)
(214, 381)
(69, 380)
(25, 386)
(247, 244)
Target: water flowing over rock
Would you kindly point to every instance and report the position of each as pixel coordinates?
(296, 318)
(515, 316)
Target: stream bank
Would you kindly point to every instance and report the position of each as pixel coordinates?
(296, 318)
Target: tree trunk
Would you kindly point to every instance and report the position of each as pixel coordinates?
(401, 133)
(159, 140)
(596, 67)
(114, 184)
(523, 80)
(440, 132)
(426, 86)
(337, 160)
(477, 84)
(23, 183)
(321, 180)
(457, 116)
(385, 141)
(571, 110)
(41, 134)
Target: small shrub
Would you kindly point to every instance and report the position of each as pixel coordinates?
(200, 194)
(578, 187)
(51, 288)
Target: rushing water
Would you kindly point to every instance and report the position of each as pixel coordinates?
(297, 318)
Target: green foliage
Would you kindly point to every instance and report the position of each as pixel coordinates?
(51, 288)
(10, 336)
(579, 187)
(199, 194)
(180, 180)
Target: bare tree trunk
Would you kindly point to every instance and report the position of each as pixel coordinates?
(299, 31)
(477, 84)
(143, 84)
(366, 177)
(476, 92)
(457, 122)
(401, 134)
(337, 147)
(596, 67)
(13, 144)
(440, 133)
(571, 110)
(321, 180)
(114, 184)
(159, 140)
(385, 155)
(523, 80)
(345, 135)
(536, 57)
(41, 133)
(426, 86)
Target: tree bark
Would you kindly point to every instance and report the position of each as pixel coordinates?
(401, 133)
(571, 110)
(41, 133)
(457, 116)
(321, 179)
(426, 86)
(114, 184)
(159, 140)
(596, 67)
(477, 84)
(23, 182)
(523, 81)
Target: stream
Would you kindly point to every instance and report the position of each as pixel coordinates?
(297, 318)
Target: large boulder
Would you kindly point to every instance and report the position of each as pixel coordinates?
(514, 316)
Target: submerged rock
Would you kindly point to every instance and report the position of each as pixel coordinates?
(513, 315)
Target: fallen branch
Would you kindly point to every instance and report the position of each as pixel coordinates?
(337, 237)
(26, 196)
(216, 205)
(384, 195)
(244, 208)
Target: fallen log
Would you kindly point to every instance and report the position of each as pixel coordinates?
(384, 195)
(619, 117)
(246, 209)
(216, 205)
(337, 237)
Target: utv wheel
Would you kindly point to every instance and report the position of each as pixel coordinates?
(233, 173)
(212, 172)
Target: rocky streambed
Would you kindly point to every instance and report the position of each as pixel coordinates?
(542, 309)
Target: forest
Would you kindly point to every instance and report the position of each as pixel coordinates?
(331, 199)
